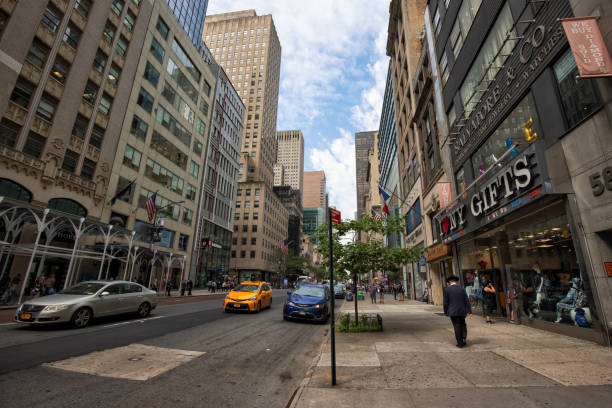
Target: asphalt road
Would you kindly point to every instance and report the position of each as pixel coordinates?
(250, 360)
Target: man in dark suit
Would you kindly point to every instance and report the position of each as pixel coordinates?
(457, 307)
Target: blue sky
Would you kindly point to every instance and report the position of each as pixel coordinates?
(333, 72)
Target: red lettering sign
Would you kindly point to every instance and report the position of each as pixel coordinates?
(335, 216)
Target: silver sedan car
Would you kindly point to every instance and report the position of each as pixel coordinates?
(80, 303)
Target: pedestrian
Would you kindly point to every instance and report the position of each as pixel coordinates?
(489, 300)
(373, 293)
(394, 291)
(168, 287)
(512, 300)
(381, 291)
(457, 307)
(183, 288)
(50, 285)
(189, 286)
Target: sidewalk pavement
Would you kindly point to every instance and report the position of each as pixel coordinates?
(414, 363)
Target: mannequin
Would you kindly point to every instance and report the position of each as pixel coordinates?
(569, 302)
(539, 285)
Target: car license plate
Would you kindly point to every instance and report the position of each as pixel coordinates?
(302, 313)
(26, 316)
(236, 304)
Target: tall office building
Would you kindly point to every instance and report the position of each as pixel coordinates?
(247, 47)
(289, 168)
(313, 201)
(364, 141)
(190, 14)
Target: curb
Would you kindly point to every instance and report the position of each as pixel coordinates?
(295, 397)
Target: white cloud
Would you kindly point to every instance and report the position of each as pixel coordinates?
(338, 162)
(333, 71)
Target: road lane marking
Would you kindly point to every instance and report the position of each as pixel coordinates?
(133, 321)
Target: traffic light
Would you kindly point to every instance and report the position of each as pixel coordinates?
(205, 242)
(530, 135)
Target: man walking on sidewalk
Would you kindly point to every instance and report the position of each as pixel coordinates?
(457, 306)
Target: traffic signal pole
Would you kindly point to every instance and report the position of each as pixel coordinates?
(332, 303)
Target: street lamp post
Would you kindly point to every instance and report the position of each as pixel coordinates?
(152, 237)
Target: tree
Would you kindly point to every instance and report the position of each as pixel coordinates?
(363, 257)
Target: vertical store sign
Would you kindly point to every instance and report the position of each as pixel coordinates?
(588, 47)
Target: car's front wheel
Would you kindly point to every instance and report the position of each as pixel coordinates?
(144, 309)
(81, 317)
(258, 307)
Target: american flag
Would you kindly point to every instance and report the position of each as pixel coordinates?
(150, 206)
(284, 245)
(376, 215)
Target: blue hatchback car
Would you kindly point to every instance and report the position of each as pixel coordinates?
(308, 302)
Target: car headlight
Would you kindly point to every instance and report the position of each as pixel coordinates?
(54, 308)
(253, 298)
(318, 306)
(291, 303)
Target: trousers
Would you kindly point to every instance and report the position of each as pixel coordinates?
(460, 328)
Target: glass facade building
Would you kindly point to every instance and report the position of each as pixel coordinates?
(190, 14)
(387, 136)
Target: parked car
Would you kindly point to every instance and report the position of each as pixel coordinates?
(249, 296)
(81, 303)
(309, 302)
(349, 296)
(339, 291)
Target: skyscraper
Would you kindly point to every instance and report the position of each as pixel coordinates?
(290, 155)
(313, 201)
(190, 14)
(364, 141)
(247, 47)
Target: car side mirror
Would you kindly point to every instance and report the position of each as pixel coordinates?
(105, 293)
(289, 293)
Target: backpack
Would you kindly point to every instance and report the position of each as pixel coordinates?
(580, 318)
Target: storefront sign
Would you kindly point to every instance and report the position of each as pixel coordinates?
(540, 43)
(444, 193)
(588, 47)
(438, 251)
(518, 183)
(608, 266)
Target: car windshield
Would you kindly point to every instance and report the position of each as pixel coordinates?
(246, 288)
(338, 287)
(83, 288)
(311, 291)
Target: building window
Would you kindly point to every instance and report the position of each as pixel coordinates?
(22, 92)
(162, 28)
(129, 19)
(83, 7)
(257, 192)
(139, 128)
(163, 176)
(151, 74)
(87, 171)
(8, 132)
(145, 100)
(252, 254)
(37, 55)
(122, 183)
(168, 150)
(237, 216)
(89, 94)
(444, 68)
(169, 122)
(70, 161)
(105, 103)
(157, 50)
(436, 21)
(109, 32)
(493, 52)
(242, 254)
(233, 254)
(113, 73)
(246, 216)
(34, 144)
(245, 228)
(253, 241)
(190, 192)
(253, 228)
(72, 35)
(194, 169)
(60, 69)
(80, 126)
(51, 17)
(197, 147)
(183, 242)
(131, 157)
(238, 204)
(248, 192)
(46, 107)
(97, 135)
(99, 61)
(117, 6)
(68, 206)
(183, 82)
(255, 215)
(122, 45)
(579, 96)
(187, 216)
(187, 62)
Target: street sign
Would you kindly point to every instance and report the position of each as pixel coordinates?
(335, 216)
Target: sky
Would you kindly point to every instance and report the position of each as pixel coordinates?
(332, 80)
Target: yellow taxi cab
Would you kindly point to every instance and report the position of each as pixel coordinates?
(249, 296)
